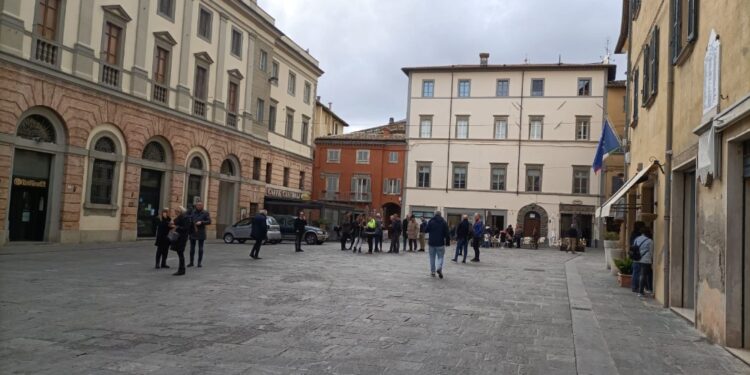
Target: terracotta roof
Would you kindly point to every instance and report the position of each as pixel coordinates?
(501, 67)
(624, 23)
(618, 83)
(331, 112)
(391, 132)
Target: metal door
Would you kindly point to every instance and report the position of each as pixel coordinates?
(688, 233)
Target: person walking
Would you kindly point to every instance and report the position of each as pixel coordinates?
(370, 229)
(358, 232)
(395, 233)
(259, 232)
(404, 230)
(162, 239)
(378, 236)
(478, 235)
(422, 229)
(346, 230)
(572, 237)
(637, 230)
(645, 245)
(463, 231)
(300, 222)
(439, 237)
(509, 235)
(200, 218)
(412, 232)
(182, 226)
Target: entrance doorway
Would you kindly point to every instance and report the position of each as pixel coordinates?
(583, 224)
(498, 222)
(225, 211)
(29, 196)
(531, 224)
(688, 241)
(746, 247)
(149, 202)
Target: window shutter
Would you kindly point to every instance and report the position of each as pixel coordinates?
(692, 20)
(398, 186)
(385, 186)
(655, 57)
(646, 75)
(676, 42)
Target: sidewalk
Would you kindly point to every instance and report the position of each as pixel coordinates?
(640, 335)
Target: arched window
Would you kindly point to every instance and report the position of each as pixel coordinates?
(154, 151)
(104, 166)
(196, 163)
(195, 181)
(227, 168)
(37, 128)
(105, 144)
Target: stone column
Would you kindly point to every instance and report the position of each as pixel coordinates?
(83, 52)
(139, 79)
(247, 116)
(183, 85)
(219, 108)
(11, 27)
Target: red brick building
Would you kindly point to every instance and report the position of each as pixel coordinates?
(363, 169)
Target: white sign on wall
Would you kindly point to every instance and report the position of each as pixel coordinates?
(711, 74)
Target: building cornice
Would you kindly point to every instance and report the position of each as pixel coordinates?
(624, 25)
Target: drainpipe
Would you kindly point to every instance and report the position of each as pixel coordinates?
(450, 118)
(520, 134)
(668, 167)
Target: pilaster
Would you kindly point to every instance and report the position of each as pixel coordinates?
(183, 86)
(247, 116)
(219, 109)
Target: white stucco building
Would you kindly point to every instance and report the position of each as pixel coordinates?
(512, 142)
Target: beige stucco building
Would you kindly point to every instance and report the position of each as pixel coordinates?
(326, 121)
(691, 62)
(132, 106)
(512, 142)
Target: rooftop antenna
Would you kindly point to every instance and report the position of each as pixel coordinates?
(607, 55)
(526, 59)
(559, 59)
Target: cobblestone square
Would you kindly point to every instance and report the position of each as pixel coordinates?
(103, 309)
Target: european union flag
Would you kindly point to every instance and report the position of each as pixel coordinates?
(608, 142)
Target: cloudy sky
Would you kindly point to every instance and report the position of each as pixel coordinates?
(363, 44)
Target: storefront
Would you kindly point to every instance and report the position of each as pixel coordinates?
(280, 201)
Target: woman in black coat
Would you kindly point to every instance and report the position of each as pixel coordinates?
(182, 225)
(162, 240)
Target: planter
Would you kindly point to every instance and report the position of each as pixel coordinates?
(611, 254)
(625, 280)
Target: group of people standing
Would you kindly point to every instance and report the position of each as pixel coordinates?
(174, 235)
(354, 232)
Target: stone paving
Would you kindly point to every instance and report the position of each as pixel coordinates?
(103, 309)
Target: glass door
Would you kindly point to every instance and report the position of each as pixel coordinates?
(149, 199)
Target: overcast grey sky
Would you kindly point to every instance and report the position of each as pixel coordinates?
(363, 44)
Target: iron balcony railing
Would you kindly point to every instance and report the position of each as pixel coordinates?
(360, 197)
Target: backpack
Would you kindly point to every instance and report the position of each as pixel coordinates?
(635, 251)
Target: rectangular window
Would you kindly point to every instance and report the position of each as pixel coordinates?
(275, 73)
(534, 178)
(503, 87)
(635, 95)
(363, 156)
(428, 88)
(289, 131)
(232, 97)
(332, 184)
(112, 40)
(392, 186)
(536, 128)
(425, 126)
(201, 82)
(166, 8)
(263, 61)
(236, 43)
(583, 128)
(102, 178)
(260, 110)
(501, 127)
(651, 68)
(497, 177)
(48, 16)
(584, 86)
(464, 88)
(161, 64)
(305, 129)
(269, 173)
(459, 176)
(204, 24)
(256, 169)
(291, 87)
(272, 118)
(393, 157)
(537, 87)
(334, 156)
(424, 175)
(581, 180)
(308, 93)
(462, 127)
(302, 180)
(286, 177)
(361, 189)
(684, 25)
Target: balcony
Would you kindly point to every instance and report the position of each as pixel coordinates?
(111, 75)
(199, 108)
(330, 195)
(232, 120)
(46, 52)
(160, 94)
(360, 197)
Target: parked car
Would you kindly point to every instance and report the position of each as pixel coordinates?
(313, 235)
(240, 231)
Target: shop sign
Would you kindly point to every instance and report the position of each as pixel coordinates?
(28, 182)
(285, 194)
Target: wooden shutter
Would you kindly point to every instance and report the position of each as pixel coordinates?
(692, 26)
(655, 58)
(113, 35)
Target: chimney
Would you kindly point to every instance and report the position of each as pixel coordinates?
(330, 105)
(484, 57)
(317, 98)
(390, 121)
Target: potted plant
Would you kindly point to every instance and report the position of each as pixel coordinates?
(625, 274)
(612, 250)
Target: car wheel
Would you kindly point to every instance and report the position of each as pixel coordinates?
(311, 239)
(241, 241)
(228, 238)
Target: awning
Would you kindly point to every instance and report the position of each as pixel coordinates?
(604, 210)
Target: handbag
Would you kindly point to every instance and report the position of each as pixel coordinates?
(173, 236)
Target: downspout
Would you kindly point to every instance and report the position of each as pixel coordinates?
(520, 131)
(668, 166)
(450, 118)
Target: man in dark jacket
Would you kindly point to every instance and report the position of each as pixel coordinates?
(395, 233)
(462, 238)
(404, 225)
(299, 230)
(378, 237)
(259, 232)
(440, 237)
(477, 235)
(422, 230)
(200, 218)
(346, 230)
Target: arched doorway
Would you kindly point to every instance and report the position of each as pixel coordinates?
(156, 160)
(533, 217)
(388, 210)
(229, 180)
(38, 164)
(195, 189)
(532, 223)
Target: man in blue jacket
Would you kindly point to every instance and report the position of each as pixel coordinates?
(200, 219)
(463, 233)
(440, 237)
(478, 234)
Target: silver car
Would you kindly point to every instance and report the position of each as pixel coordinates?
(240, 231)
